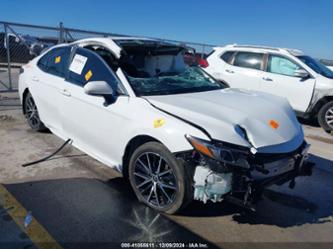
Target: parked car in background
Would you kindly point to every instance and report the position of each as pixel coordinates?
(327, 63)
(23, 48)
(304, 81)
(18, 52)
(173, 130)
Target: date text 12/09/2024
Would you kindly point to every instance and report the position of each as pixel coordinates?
(163, 245)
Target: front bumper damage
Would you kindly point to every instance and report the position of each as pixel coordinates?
(216, 181)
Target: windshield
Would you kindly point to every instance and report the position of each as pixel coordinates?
(316, 66)
(192, 79)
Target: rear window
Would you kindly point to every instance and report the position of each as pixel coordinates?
(248, 60)
(55, 61)
(226, 57)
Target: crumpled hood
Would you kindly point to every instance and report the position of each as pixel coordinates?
(222, 112)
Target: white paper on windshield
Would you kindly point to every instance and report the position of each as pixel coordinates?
(78, 64)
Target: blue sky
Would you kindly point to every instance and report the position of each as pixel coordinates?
(303, 24)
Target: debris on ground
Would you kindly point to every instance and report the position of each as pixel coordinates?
(28, 219)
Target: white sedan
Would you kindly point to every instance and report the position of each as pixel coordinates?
(174, 131)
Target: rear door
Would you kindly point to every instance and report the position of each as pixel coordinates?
(279, 79)
(46, 81)
(93, 126)
(246, 70)
(218, 63)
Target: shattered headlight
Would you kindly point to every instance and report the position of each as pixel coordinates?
(220, 152)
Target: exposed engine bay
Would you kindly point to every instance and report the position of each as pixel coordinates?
(209, 185)
(223, 179)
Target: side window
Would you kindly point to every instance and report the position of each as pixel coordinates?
(281, 65)
(88, 66)
(55, 61)
(226, 57)
(42, 63)
(249, 60)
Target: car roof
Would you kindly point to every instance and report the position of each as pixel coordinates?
(115, 42)
(256, 48)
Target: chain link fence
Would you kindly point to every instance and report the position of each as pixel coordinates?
(19, 43)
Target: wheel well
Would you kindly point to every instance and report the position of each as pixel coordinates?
(26, 91)
(320, 103)
(131, 146)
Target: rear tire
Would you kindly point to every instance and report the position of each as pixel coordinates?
(31, 114)
(158, 179)
(325, 117)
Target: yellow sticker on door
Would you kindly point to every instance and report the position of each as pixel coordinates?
(158, 122)
(57, 59)
(88, 75)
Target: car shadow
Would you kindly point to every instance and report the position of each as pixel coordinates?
(70, 205)
(90, 213)
(311, 122)
(309, 203)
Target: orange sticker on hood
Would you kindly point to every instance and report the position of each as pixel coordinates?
(274, 124)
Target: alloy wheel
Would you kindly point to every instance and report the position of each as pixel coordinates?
(31, 112)
(155, 180)
(329, 117)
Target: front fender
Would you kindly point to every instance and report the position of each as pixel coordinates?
(170, 131)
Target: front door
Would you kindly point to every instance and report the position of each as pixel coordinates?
(90, 123)
(280, 80)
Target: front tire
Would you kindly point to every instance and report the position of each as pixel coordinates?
(158, 178)
(31, 114)
(325, 117)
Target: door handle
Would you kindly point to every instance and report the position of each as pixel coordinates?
(65, 92)
(229, 71)
(267, 79)
(34, 78)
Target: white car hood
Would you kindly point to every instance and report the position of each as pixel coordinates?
(220, 112)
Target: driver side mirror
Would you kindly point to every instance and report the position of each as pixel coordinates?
(100, 88)
(301, 73)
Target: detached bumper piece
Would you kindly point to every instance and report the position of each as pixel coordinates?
(245, 187)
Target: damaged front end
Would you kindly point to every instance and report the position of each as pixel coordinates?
(239, 175)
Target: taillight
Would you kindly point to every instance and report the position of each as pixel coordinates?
(203, 62)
